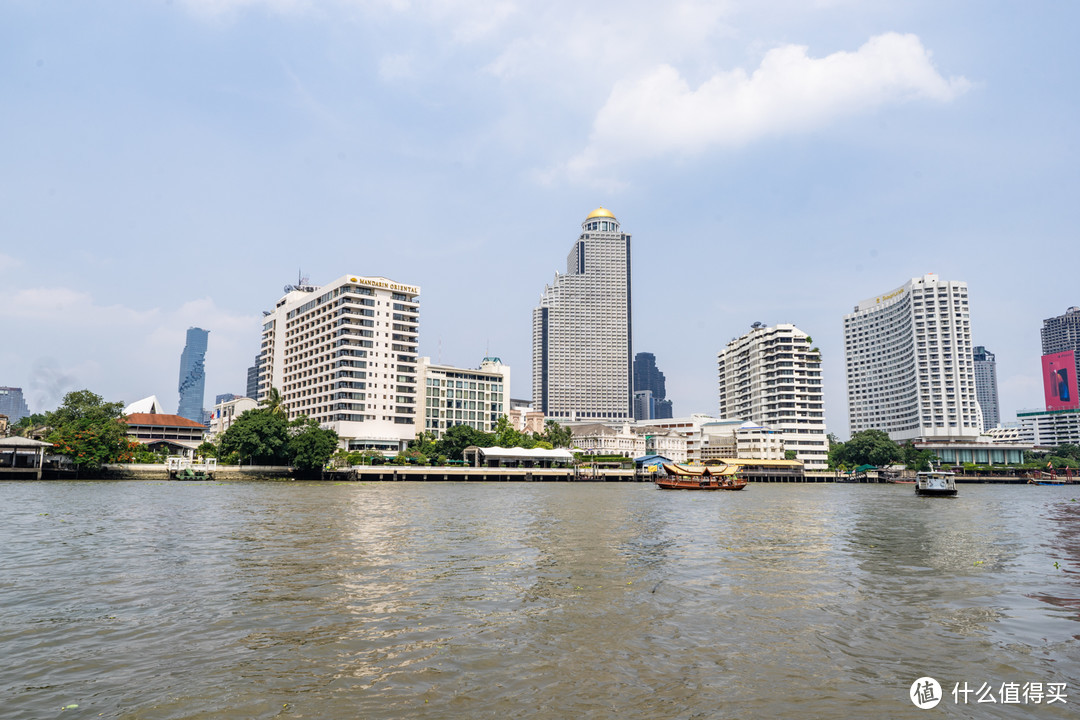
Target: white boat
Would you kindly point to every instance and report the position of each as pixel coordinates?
(935, 483)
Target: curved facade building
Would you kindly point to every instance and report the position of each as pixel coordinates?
(582, 345)
(910, 369)
(193, 375)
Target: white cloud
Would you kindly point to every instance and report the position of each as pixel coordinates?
(122, 353)
(9, 263)
(659, 113)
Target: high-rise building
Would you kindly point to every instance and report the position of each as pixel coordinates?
(252, 390)
(910, 370)
(582, 340)
(193, 375)
(1062, 334)
(772, 376)
(345, 355)
(460, 396)
(986, 388)
(649, 379)
(13, 404)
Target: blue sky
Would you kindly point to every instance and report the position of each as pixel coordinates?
(169, 164)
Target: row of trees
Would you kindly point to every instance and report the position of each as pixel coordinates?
(92, 433)
(427, 449)
(264, 436)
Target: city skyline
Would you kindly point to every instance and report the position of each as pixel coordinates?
(452, 147)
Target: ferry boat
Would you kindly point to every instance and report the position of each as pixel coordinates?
(703, 477)
(935, 483)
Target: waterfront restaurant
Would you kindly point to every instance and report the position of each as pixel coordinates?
(517, 457)
(21, 456)
(980, 453)
(180, 435)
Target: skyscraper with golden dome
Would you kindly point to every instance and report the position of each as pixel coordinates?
(582, 342)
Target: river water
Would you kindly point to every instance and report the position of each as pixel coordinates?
(475, 600)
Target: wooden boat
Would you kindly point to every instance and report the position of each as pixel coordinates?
(935, 483)
(703, 477)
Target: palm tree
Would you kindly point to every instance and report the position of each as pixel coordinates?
(274, 404)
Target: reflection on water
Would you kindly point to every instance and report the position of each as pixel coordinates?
(250, 600)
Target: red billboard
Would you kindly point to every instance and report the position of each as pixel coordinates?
(1059, 381)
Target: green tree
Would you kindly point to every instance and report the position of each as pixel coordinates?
(274, 404)
(791, 454)
(556, 434)
(28, 423)
(310, 446)
(207, 449)
(258, 437)
(507, 436)
(915, 459)
(869, 447)
(453, 442)
(89, 430)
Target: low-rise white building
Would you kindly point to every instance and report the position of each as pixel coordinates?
(1049, 428)
(599, 439)
(225, 413)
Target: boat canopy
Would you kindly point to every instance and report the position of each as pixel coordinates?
(700, 470)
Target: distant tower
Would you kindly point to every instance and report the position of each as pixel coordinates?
(193, 375)
(253, 380)
(581, 330)
(986, 388)
(12, 404)
(649, 379)
(1062, 334)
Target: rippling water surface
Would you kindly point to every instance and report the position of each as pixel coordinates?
(475, 600)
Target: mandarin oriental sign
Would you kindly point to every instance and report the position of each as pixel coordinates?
(385, 285)
(891, 295)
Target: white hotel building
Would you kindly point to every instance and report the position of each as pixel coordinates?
(582, 362)
(910, 367)
(345, 354)
(772, 376)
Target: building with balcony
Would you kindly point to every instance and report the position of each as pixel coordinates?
(476, 397)
(910, 364)
(771, 376)
(345, 354)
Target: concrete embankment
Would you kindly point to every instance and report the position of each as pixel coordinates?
(221, 472)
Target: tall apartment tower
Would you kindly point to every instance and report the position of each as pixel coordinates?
(986, 388)
(582, 340)
(650, 389)
(910, 368)
(193, 375)
(772, 376)
(13, 404)
(1062, 334)
(345, 355)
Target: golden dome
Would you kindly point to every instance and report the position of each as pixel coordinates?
(600, 212)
